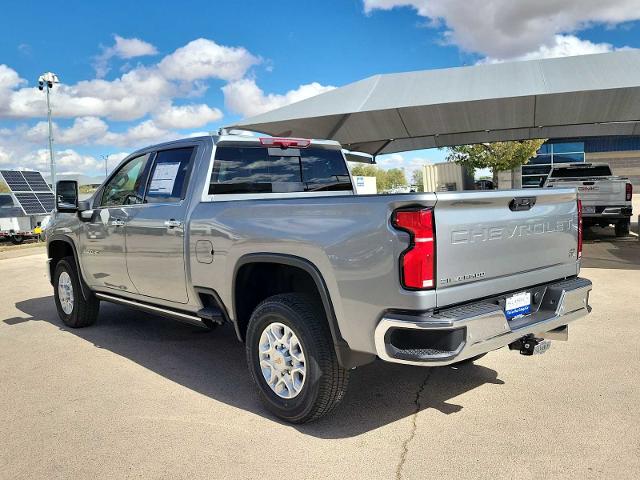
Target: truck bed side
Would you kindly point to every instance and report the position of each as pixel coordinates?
(352, 243)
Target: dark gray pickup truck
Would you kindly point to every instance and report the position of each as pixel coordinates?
(267, 235)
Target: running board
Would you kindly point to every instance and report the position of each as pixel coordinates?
(180, 316)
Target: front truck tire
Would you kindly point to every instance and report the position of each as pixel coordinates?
(73, 309)
(292, 360)
(622, 228)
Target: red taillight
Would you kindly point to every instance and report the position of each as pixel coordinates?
(417, 263)
(579, 228)
(285, 142)
(629, 192)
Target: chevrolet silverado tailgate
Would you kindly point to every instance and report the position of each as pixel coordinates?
(496, 241)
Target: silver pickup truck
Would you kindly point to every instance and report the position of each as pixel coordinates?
(267, 235)
(606, 199)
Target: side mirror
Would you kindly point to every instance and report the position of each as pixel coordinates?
(67, 196)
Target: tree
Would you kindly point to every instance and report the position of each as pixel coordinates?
(371, 171)
(385, 179)
(396, 178)
(498, 156)
(417, 179)
(361, 170)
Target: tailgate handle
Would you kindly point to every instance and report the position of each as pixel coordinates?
(522, 203)
(588, 183)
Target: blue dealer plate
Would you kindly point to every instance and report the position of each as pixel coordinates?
(517, 305)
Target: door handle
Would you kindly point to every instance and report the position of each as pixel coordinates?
(117, 223)
(173, 223)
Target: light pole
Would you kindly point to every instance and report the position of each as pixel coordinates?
(106, 159)
(46, 80)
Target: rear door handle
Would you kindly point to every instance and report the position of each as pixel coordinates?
(117, 223)
(173, 223)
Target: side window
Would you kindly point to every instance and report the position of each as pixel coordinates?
(126, 187)
(170, 175)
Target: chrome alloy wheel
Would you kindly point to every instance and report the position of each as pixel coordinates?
(282, 360)
(65, 293)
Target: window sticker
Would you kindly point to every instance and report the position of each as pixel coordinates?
(164, 178)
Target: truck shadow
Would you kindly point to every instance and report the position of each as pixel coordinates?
(213, 364)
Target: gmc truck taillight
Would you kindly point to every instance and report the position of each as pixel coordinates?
(579, 228)
(628, 192)
(417, 263)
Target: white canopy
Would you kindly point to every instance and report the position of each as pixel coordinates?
(590, 95)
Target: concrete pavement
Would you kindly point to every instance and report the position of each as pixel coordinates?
(137, 396)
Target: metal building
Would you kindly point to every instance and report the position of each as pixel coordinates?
(622, 153)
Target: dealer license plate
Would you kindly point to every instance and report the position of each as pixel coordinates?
(518, 305)
(588, 209)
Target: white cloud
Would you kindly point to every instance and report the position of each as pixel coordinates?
(396, 160)
(507, 29)
(186, 116)
(125, 48)
(563, 46)
(198, 134)
(129, 97)
(202, 59)
(84, 130)
(144, 133)
(113, 159)
(67, 159)
(9, 78)
(5, 157)
(145, 105)
(246, 98)
(132, 47)
(136, 93)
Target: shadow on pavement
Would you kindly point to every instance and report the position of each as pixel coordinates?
(213, 364)
(602, 249)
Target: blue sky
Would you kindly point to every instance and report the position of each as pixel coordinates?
(134, 73)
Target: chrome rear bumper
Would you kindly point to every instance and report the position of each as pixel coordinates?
(480, 327)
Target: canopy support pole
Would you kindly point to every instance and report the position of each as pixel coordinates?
(384, 145)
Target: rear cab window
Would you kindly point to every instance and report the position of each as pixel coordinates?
(259, 169)
(582, 171)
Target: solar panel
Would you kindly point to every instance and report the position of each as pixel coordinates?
(36, 181)
(23, 184)
(47, 201)
(15, 181)
(6, 200)
(29, 203)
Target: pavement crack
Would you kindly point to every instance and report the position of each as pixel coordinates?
(414, 426)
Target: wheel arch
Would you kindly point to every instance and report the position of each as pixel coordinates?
(59, 247)
(346, 357)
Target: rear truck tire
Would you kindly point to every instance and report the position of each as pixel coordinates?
(17, 239)
(622, 228)
(74, 310)
(291, 358)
